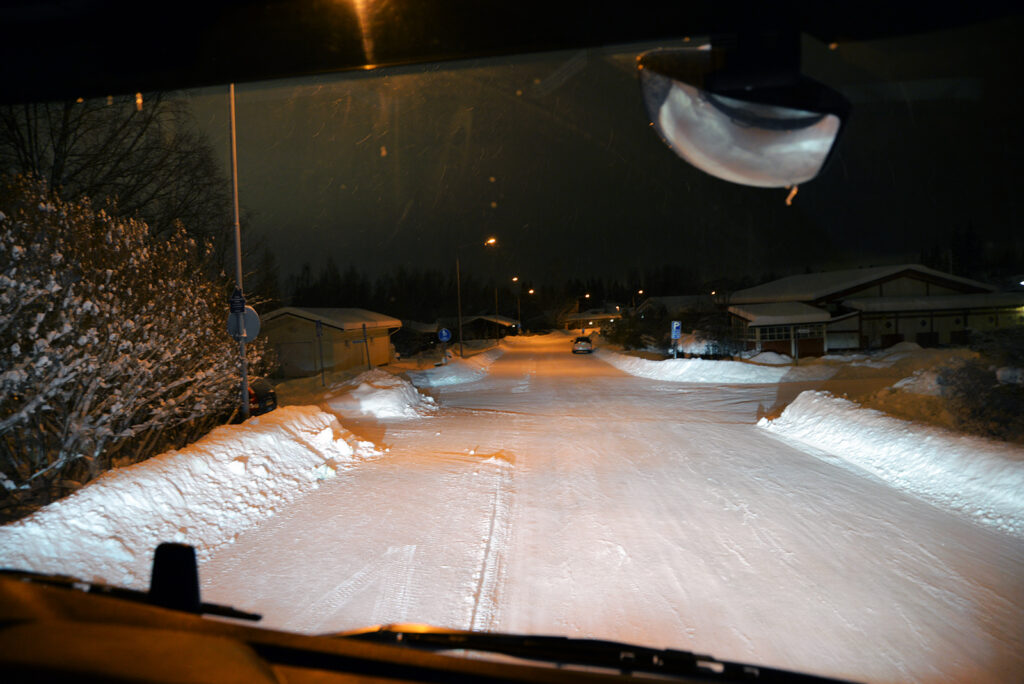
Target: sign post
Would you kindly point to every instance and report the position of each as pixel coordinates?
(677, 332)
(445, 336)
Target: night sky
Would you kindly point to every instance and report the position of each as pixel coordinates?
(553, 155)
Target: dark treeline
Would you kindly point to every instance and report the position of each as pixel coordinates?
(428, 294)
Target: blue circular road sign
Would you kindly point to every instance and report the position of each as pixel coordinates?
(444, 334)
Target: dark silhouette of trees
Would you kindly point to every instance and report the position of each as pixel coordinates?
(149, 160)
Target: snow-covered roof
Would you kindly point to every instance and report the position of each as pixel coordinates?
(810, 287)
(939, 302)
(593, 315)
(493, 318)
(681, 303)
(421, 327)
(341, 318)
(780, 313)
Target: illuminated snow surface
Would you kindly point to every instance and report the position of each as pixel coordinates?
(544, 492)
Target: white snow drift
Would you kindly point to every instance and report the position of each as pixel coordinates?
(457, 371)
(382, 395)
(970, 475)
(204, 495)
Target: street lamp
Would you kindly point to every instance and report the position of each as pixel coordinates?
(640, 292)
(519, 308)
(458, 286)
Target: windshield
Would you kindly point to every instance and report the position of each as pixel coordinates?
(797, 441)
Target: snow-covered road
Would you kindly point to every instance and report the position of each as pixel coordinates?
(559, 495)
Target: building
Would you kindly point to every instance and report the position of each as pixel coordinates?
(592, 318)
(684, 304)
(308, 340)
(815, 313)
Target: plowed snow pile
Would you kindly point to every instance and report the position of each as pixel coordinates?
(383, 395)
(457, 371)
(976, 477)
(204, 494)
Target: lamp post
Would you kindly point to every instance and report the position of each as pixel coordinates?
(519, 308)
(458, 287)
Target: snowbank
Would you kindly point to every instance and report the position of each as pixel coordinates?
(770, 358)
(458, 370)
(204, 495)
(382, 395)
(722, 372)
(979, 478)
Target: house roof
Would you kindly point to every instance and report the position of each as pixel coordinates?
(811, 287)
(938, 302)
(593, 315)
(494, 318)
(340, 318)
(681, 303)
(780, 313)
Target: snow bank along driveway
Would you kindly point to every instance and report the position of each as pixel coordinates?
(204, 494)
(543, 492)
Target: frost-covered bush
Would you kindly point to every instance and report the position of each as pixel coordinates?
(108, 339)
(978, 395)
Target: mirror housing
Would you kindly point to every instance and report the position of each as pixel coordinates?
(740, 110)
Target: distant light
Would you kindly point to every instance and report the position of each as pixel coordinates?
(138, 102)
(1021, 283)
(587, 295)
(590, 323)
(712, 292)
(640, 292)
(491, 241)
(616, 307)
(531, 291)
(515, 279)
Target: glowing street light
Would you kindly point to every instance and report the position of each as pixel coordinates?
(638, 292)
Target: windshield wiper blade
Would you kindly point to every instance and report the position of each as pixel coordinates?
(75, 584)
(614, 655)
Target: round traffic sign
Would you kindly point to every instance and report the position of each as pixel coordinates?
(252, 324)
(444, 334)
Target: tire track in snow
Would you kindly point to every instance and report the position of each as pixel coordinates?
(393, 569)
(492, 562)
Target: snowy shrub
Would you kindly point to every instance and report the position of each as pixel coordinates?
(978, 400)
(109, 338)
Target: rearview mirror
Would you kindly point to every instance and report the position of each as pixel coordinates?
(746, 116)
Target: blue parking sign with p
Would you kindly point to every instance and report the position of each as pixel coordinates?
(677, 329)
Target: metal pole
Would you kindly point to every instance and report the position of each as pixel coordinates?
(458, 294)
(244, 366)
(366, 345)
(496, 314)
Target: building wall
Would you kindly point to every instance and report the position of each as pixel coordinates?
(929, 328)
(299, 350)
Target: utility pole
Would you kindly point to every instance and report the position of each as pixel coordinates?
(237, 301)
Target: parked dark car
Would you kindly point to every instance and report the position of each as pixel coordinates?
(262, 397)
